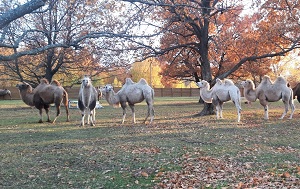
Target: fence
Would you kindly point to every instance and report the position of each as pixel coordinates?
(159, 92)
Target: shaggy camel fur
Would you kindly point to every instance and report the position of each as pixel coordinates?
(4, 92)
(221, 92)
(296, 92)
(44, 95)
(131, 93)
(267, 91)
(87, 100)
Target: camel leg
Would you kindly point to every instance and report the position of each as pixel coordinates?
(82, 118)
(217, 105)
(46, 107)
(221, 109)
(266, 109)
(57, 112)
(66, 104)
(67, 112)
(217, 111)
(291, 102)
(238, 109)
(94, 115)
(150, 113)
(133, 112)
(91, 116)
(264, 103)
(286, 109)
(41, 115)
(123, 105)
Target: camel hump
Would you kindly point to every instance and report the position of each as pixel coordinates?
(266, 80)
(44, 81)
(228, 82)
(143, 81)
(280, 81)
(219, 81)
(128, 81)
(55, 83)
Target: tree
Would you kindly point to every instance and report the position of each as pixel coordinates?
(211, 39)
(148, 69)
(58, 40)
(20, 11)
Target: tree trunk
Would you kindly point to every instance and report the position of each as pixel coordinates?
(208, 109)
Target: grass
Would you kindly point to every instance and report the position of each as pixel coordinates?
(111, 155)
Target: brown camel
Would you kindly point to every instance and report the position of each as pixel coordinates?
(44, 95)
(296, 92)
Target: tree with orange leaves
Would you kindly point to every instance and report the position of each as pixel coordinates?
(215, 39)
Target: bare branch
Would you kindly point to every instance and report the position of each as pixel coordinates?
(20, 11)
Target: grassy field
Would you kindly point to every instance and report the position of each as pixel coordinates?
(180, 150)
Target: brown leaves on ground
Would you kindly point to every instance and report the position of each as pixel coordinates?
(209, 172)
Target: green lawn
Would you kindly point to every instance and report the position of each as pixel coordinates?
(179, 150)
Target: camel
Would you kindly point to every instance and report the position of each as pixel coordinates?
(44, 95)
(296, 92)
(267, 91)
(221, 92)
(4, 92)
(87, 100)
(131, 93)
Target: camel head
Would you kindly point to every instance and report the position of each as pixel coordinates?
(248, 84)
(7, 92)
(202, 84)
(107, 88)
(24, 87)
(86, 81)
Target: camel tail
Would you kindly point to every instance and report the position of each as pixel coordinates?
(66, 103)
(65, 98)
(152, 93)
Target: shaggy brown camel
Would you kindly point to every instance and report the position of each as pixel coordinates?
(267, 91)
(44, 95)
(296, 92)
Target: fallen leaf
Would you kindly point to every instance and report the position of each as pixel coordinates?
(144, 174)
(285, 175)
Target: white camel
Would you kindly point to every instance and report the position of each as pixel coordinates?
(267, 91)
(87, 100)
(221, 92)
(131, 93)
(4, 92)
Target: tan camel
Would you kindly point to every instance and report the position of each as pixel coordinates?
(131, 93)
(44, 95)
(267, 91)
(221, 92)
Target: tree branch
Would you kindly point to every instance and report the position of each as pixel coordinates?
(20, 11)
